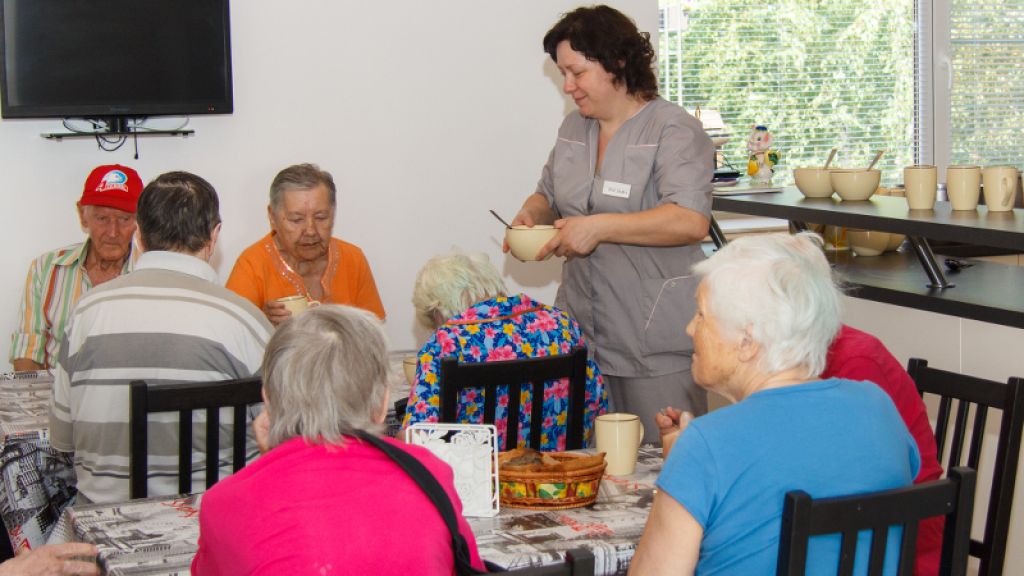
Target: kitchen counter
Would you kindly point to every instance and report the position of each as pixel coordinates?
(986, 291)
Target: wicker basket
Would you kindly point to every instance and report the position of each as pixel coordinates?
(551, 490)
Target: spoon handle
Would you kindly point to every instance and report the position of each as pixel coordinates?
(500, 219)
(831, 155)
(877, 158)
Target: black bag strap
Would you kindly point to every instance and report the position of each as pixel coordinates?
(432, 488)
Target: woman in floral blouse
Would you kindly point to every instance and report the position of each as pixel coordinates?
(465, 300)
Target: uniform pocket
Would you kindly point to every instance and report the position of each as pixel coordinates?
(668, 305)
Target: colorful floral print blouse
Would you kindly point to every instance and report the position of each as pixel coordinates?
(506, 328)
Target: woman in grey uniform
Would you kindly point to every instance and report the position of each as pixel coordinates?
(628, 186)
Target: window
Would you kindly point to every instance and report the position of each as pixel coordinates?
(818, 74)
(978, 97)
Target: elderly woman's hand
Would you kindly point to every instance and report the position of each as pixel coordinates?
(671, 423)
(276, 312)
(53, 560)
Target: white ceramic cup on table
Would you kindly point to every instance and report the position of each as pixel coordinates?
(619, 435)
(297, 304)
(963, 186)
(921, 185)
(1000, 187)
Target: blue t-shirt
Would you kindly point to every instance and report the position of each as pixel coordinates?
(732, 468)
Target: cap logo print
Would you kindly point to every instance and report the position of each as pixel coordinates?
(113, 180)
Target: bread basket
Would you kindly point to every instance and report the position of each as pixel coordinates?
(572, 484)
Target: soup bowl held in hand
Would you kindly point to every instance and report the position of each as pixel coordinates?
(813, 182)
(525, 242)
(855, 185)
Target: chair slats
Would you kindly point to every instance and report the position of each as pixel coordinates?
(983, 395)
(516, 374)
(184, 398)
(952, 497)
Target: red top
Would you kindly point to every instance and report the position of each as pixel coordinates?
(327, 510)
(857, 355)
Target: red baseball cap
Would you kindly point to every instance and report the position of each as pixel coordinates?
(112, 185)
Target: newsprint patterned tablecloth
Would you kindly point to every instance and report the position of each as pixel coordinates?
(158, 536)
(36, 481)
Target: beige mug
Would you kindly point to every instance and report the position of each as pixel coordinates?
(1000, 187)
(619, 436)
(297, 304)
(963, 186)
(921, 184)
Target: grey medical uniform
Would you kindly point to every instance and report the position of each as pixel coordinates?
(634, 302)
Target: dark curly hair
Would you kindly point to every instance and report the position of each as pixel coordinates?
(607, 36)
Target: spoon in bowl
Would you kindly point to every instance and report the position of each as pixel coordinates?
(500, 219)
(831, 155)
(877, 158)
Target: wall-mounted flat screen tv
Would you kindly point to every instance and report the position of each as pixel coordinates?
(110, 58)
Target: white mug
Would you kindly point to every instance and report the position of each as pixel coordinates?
(619, 436)
(297, 304)
(963, 186)
(1000, 187)
(920, 183)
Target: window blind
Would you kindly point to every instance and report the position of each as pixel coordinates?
(987, 85)
(818, 74)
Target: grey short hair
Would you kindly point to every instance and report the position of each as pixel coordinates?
(448, 284)
(779, 288)
(325, 374)
(301, 177)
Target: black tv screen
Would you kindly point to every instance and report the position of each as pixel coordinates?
(105, 58)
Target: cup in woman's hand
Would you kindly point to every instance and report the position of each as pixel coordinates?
(525, 242)
(297, 304)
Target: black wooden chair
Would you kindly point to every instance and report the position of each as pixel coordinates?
(184, 398)
(578, 562)
(517, 374)
(957, 393)
(952, 497)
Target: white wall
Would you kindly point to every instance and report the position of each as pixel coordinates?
(427, 114)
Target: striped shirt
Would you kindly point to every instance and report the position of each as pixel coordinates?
(168, 321)
(56, 281)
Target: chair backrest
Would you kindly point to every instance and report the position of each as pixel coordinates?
(952, 497)
(183, 398)
(578, 562)
(519, 374)
(957, 393)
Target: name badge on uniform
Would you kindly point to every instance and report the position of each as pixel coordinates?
(617, 189)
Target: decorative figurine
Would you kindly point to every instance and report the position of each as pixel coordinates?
(762, 157)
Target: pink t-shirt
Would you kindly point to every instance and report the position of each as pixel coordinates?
(857, 355)
(327, 510)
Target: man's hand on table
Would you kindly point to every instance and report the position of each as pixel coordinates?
(671, 423)
(53, 560)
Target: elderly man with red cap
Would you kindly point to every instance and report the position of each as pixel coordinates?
(58, 279)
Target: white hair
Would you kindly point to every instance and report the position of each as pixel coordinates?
(325, 374)
(448, 284)
(779, 289)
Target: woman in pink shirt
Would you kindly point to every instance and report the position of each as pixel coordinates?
(319, 500)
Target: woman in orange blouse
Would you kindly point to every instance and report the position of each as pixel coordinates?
(299, 256)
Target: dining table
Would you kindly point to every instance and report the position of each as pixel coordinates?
(158, 536)
(36, 481)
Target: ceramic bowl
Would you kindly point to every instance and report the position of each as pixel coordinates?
(868, 242)
(409, 368)
(895, 241)
(813, 182)
(855, 184)
(525, 242)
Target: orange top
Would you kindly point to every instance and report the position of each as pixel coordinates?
(261, 275)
